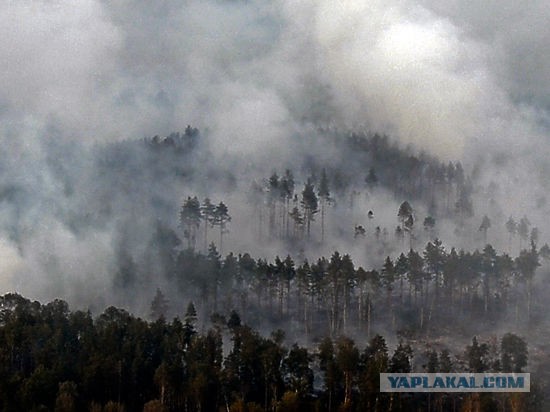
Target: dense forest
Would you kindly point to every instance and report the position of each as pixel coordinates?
(55, 359)
(276, 289)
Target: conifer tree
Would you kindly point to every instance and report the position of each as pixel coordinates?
(310, 205)
(221, 218)
(324, 197)
(274, 194)
(527, 263)
(512, 228)
(476, 353)
(523, 230)
(190, 219)
(287, 192)
(190, 320)
(347, 356)
(485, 226)
(331, 372)
(400, 362)
(513, 352)
(388, 278)
(374, 361)
(208, 216)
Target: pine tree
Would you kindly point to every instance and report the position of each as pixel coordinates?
(512, 228)
(298, 224)
(434, 258)
(388, 278)
(404, 212)
(401, 269)
(324, 197)
(464, 207)
(212, 272)
(523, 230)
(416, 272)
(297, 373)
(274, 195)
(221, 218)
(405, 215)
(484, 227)
(433, 362)
(534, 236)
(359, 232)
(445, 362)
(331, 372)
(514, 353)
(401, 360)
(190, 320)
(527, 263)
(347, 357)
(476, 354)
(287, 191)
(374, 361)
(310, 205)
(190, 219)
(208, 216)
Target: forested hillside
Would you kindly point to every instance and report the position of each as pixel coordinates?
(277, 288)
(261, 205)
(55, 359)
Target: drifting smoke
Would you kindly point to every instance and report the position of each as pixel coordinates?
(460, 81)
(442, 77)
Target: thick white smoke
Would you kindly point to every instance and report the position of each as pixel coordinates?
(443, 76)
(461, 80)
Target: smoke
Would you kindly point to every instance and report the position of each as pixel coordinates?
(445, 77)
(11, 263)
(56, 57)
(458, 80)
(425, 77)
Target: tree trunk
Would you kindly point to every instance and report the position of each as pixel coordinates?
(280, 299)
(205, 234)
(360, 303)
(529, 289)
(221, 239)
(347, 388)
(368, 316)
(261, 223)
(322, 220)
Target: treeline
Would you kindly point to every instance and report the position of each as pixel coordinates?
(108, 185)
(55, 359)
(444, 187)
(286, 210)
(287, 202)
(418, 293)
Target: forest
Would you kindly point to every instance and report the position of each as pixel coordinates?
(261, 205)
(55, 359)
(241, 304)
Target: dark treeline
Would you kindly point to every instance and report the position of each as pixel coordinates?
(418, 293)
(445, 188)
(367, 161)
(55, 359)
(287, 203)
